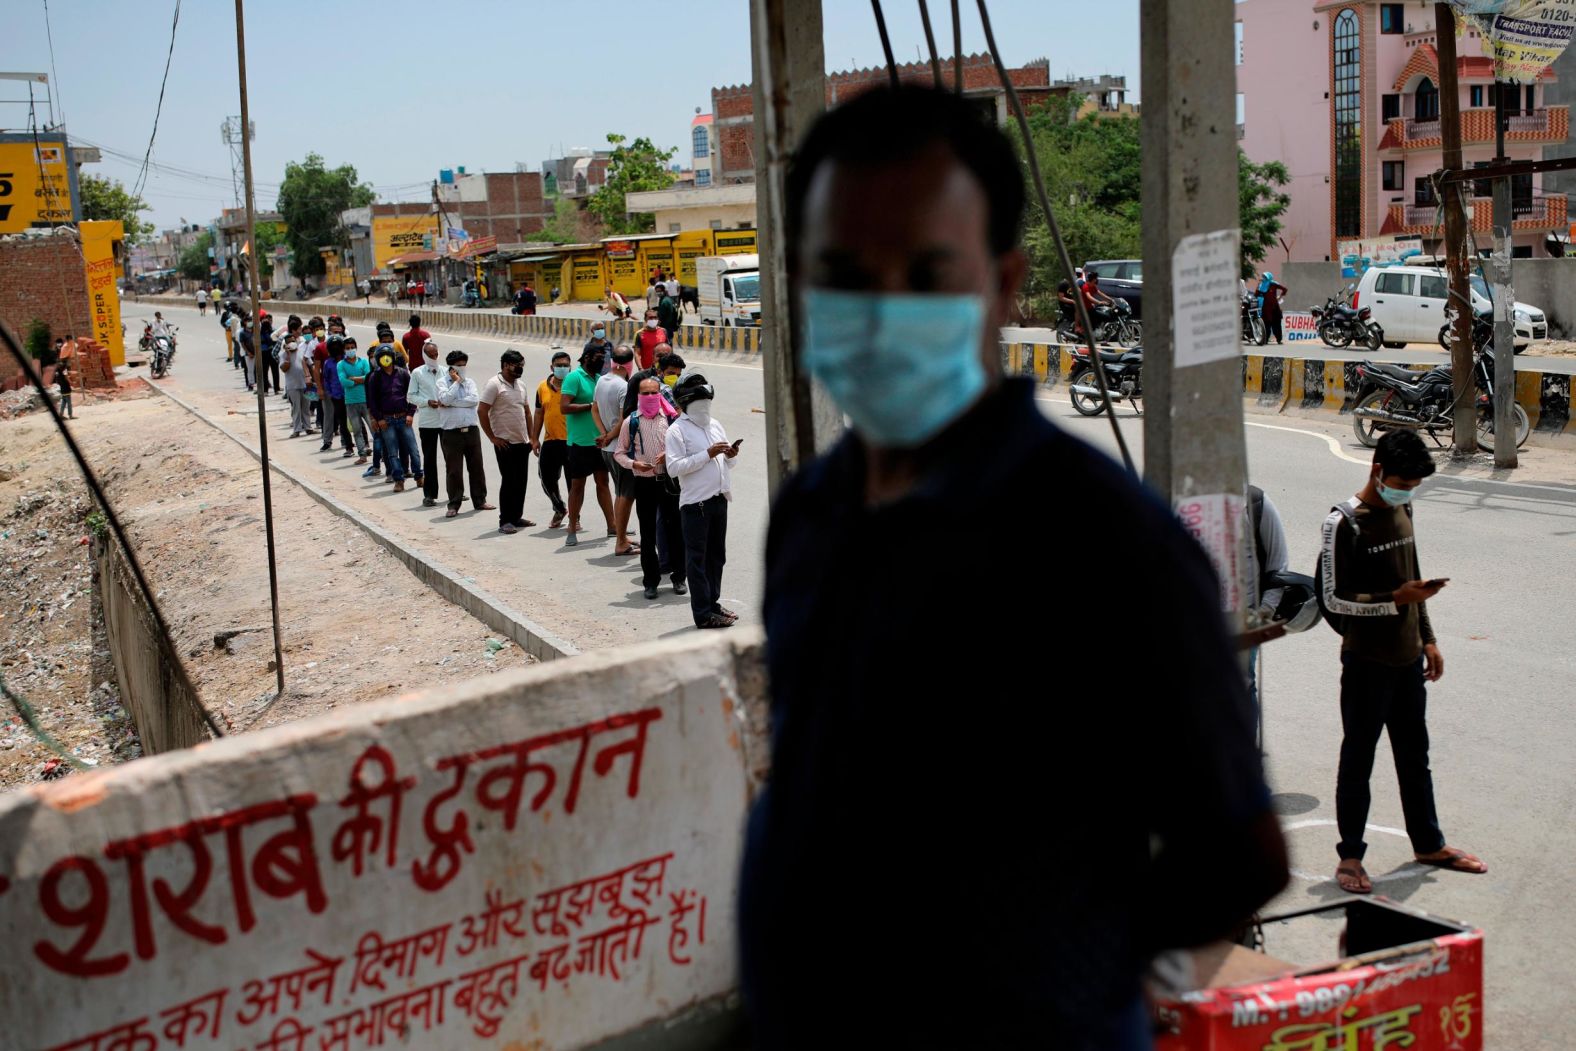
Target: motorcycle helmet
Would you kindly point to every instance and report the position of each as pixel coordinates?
(693, 388)
(1298, 607)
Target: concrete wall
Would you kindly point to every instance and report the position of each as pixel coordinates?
(1551, 285)
(165, 712)
(540, 859)
(1309, 283)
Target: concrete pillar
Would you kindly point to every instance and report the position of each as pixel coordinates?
(1194, 453)
(789, 66)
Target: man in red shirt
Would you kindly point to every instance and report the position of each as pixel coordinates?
(648, 339)
(414, 339)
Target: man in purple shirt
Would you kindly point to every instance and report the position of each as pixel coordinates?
(386, 402)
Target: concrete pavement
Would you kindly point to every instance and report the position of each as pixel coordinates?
(1503, 749)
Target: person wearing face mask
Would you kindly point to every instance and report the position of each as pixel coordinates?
(607, 405)
(701, 458)
(576, 397)
(461, 435)
(648, 339)
(353, 372)
(903, 211)
(387, 399)
(333, 350)
(669, 368)
(423, 394)
(1369, 579)
(549, 435)
(600, 343)
(505, 420)
(641, 448)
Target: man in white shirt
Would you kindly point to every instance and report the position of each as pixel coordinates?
(607, 409)
(701, 458)
(461, 436)
(423, 393)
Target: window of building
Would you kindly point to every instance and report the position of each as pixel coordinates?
(1426, 104)
(1530, 96)
(1424, 192)
(1520, 195)
(1482, 187)
(1476, 92)
(1394, 175)
(1239, 43)
(1347, 81)
(1521, 251)
(701, 146)
(716, 224)
(1389, 106)
(702, 176)
(1391, 18)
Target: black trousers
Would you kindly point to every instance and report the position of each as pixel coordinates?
(1374, 698)
(657, 511)
(342, 424)
(429, 461)
(462, 450)
(273, 371)
(555, 453)
(705, 550)
(514, 467)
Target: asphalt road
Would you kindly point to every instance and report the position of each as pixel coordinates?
(1504, 746)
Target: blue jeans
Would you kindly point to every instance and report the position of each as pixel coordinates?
(399, 448)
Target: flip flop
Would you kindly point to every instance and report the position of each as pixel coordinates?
(632, 549)
(1352, 878)
(1454, 860)
(451, 513)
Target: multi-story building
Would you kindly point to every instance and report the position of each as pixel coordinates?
(702, 149)
(507, 206)
(1346, 94)
(580, 173)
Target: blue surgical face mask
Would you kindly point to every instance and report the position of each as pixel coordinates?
(901, 366)
(1393, 497)
(560, 371)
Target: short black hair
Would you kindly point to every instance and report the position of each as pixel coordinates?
(591, 352)
(349, 342)
(511, 357)
(890, 126)
(457, 357)
(564, 354)
(1402, 454)
(669, 361)
(415, 321)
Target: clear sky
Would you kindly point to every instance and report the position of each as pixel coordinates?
(401, 89)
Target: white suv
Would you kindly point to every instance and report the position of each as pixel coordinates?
(1408, 302)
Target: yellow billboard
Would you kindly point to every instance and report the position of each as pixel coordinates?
(735, 242)
(35, 185)
(397, 235)
(101, 241)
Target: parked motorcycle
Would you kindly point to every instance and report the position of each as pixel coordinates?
(1398, 397)
(1114, 324)
(160, 350)
(1341, 325)
(1123, 370)
(1482, 333)
(1254, 330)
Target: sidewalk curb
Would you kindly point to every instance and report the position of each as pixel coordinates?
(520, 629)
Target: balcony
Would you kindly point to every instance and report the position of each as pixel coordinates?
(1547, 213)
(1550, 125)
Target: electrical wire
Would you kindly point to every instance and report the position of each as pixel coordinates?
(54, 77)
(161, 626)
(142, 176)
(1056, 233)
(930, 42)
(957, 50)
(886, 41)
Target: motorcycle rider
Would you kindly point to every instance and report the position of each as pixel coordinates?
(1068, 306)
(1097, 302)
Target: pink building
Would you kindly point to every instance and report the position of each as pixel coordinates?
(1345, 93)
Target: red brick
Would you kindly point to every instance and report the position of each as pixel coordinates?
(41, 277)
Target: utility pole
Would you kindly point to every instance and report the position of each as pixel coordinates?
(1460, 302)
(1194, 450)
(1504, 299)
(789, 92)
(257, 337)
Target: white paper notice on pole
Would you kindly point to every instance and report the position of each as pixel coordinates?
(1523, 36)
(1218, 522)
(1206, 304)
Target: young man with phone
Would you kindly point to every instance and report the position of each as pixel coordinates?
(1370, 579)
(700, 456)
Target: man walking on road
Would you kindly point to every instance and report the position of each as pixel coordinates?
(503, 417)
(701, 458)
(607, 406)
(549, 435)
(903, 210)
(387, 396)
(424, 383)
(460, 434)
(353, 372)
(1370, 581)
(585, 456)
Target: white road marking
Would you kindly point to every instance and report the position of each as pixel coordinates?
(1335, 446)
(1410, 868)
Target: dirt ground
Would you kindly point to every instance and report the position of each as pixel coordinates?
(356, 625)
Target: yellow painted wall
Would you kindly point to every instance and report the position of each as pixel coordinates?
(688, 247)
(25, 196)
(99, 242)
(587, 276)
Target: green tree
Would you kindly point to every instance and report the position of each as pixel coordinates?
(310, 200)
(105, 198)
(564, 226)
(1263, 204)
(193, 261)
(268, 236)
(633, 168)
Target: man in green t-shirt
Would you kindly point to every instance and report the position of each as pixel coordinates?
(585, 456)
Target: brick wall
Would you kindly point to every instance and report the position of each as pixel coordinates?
(514, 208)
(733, 107)
(41, 277)
(90, 363)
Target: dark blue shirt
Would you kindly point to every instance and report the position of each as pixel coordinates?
(987, 697)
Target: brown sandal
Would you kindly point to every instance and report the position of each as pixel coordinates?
(1352, 878)
(1453, 859)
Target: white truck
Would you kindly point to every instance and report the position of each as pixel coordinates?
(729, 289)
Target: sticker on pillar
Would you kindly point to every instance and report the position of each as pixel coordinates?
(1205, 298)
(1219, 522)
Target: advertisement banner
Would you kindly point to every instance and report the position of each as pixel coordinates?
(396, 235)
(620, 249)
(1524, 36)
(35, 185)
(99, 240)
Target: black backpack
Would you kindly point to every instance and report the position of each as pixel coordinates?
(1340, 622)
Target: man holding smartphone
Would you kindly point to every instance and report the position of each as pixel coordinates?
(1370, 579)
(701, 458)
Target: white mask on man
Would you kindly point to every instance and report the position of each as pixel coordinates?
(699, 410)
